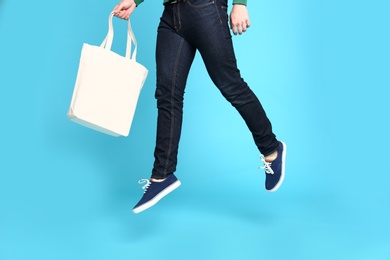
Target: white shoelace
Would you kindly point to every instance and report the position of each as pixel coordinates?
(146, 186)
(266, 166)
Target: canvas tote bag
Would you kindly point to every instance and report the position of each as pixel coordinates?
(107, 86)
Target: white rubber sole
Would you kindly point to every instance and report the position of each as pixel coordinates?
(158, 197)
(277, 186)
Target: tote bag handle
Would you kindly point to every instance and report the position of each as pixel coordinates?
(107, 42)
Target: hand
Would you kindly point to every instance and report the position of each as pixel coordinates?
(239, 19)
(124, 9)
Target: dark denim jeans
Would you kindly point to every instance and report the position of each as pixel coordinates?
(201, 25)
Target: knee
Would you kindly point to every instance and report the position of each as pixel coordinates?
(169, 96)
(238, 94)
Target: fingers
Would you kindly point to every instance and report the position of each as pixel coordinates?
(239, 27)
(124, 9)
(122, 14)
(248, 23)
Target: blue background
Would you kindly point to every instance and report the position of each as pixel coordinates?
(321, 70)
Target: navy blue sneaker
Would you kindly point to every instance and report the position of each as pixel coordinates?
(155, 191)
(274, 170)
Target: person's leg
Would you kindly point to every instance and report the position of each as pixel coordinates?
(174, 56)
(210, 34)
(213, 40)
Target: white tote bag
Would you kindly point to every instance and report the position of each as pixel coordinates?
(107, 86)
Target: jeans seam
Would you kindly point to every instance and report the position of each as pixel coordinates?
(177, 14)
(218, 12)
(173, 106)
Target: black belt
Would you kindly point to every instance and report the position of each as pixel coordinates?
(172, 2)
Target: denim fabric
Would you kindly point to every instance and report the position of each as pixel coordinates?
(184, 28)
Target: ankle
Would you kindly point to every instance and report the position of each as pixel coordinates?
(157, 180)
(271, 157)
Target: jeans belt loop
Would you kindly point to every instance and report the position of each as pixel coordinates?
(172, 2)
